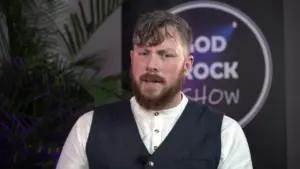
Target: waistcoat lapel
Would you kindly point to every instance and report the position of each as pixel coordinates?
(114, 136)
(188, 132)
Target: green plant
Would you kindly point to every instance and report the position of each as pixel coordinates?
(77, 34)
(43, 90)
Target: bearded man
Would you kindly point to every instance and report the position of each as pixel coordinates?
(159, 127)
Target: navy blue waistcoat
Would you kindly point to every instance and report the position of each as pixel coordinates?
(114, 141)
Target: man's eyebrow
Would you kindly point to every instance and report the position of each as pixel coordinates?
(141, 48)
(167, 49)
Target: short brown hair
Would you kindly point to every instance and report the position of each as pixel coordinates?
(147, 29)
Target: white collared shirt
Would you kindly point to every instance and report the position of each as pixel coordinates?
(153, 128)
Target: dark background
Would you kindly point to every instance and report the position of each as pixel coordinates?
(292, 80)
(272, 135)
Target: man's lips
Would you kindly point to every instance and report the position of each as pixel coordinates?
(151, 79)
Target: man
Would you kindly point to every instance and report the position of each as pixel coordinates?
(158, 127)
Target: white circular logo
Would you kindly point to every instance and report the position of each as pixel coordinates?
(230, 53)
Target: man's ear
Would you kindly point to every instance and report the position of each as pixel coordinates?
(131, 54)
(189, 64)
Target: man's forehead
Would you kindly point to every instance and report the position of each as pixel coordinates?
(166, 41)
(169, 44)
(157, 36)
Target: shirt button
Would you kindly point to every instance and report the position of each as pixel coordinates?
(156, 113)
(151, 164)
(155, 147)
(156, 131)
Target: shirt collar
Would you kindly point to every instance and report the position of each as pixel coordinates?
(175, 111)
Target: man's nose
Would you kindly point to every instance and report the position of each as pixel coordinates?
(153, 63)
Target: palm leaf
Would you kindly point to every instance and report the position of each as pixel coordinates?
(4, 47)
(29, 27)
(106, 90)
(80, 29)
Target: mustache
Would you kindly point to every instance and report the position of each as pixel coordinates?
(152, 78)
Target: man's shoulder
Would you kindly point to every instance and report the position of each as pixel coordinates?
(228, 123)
(113, 110)
(104, 109)
(231, 129)
(207, 110)
(109, 107)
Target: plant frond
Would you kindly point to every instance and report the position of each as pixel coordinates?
(107, 89)
(4, 44)
(83, 24)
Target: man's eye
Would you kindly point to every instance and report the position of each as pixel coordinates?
(168, 55)
(144, 53)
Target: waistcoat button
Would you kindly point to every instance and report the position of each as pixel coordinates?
(151, 164)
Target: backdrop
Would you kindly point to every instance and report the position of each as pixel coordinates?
(238, 68)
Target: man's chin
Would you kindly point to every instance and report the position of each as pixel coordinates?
(149, 102)
(151, 96)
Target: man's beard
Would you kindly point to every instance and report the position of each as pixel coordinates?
(166, 96)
